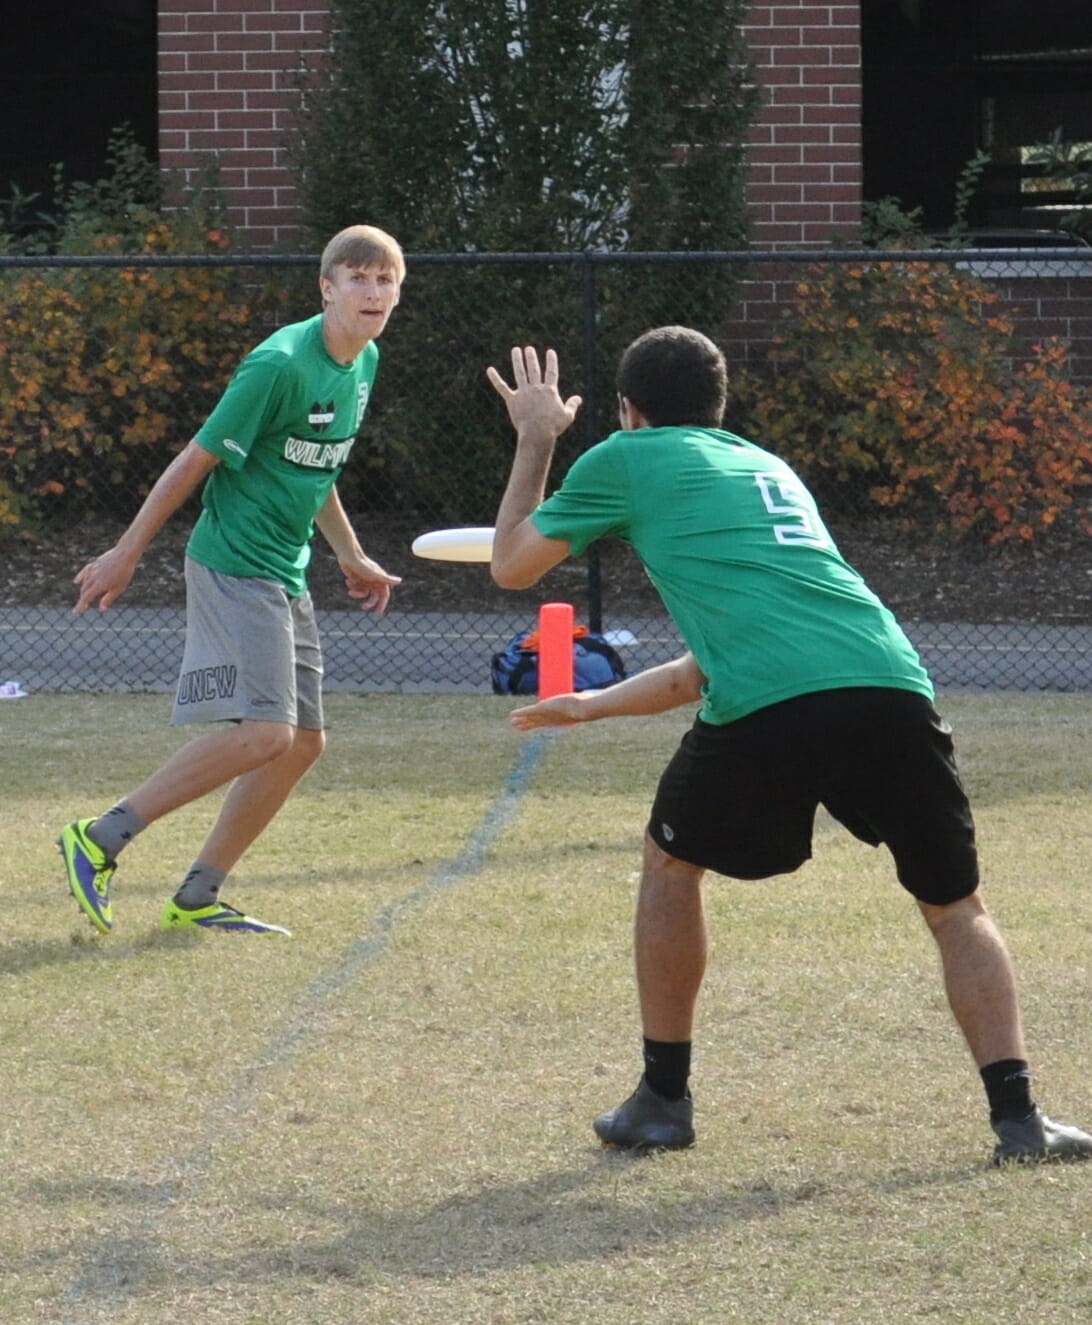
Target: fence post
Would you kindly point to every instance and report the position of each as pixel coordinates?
(591, 427)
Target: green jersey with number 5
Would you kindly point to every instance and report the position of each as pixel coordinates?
(737, 550)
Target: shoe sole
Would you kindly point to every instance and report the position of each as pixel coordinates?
(238, 925)
(646, 1147)
(643, 1147)
(227, 929)
(1000, 1161)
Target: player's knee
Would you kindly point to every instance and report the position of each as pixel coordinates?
(309, 745)
(944, 915)
(265, 741)
(660, 866)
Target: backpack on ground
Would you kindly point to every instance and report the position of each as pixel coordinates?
(596, 664)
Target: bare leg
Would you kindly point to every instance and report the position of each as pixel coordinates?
(670, 944)
(979, 978)
(255, 798)
(207, 763)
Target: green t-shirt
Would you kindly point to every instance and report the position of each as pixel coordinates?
(734, 544)
(283, 431)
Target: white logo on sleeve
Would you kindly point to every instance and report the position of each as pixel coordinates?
(229, 445)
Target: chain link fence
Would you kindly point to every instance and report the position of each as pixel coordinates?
(94, 401)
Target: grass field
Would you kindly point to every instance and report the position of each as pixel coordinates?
(386, 1118)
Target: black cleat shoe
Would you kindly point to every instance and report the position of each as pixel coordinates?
(647, 1121)
(1036, 1137)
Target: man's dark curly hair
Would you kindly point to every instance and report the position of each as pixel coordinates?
(675, 375)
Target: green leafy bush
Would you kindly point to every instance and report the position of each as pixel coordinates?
(526, 129)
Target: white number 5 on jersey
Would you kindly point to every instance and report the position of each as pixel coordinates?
(783, 494)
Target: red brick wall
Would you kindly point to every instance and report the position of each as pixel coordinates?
(805, 158)
(1058, 305)
(226, 86)
(804, 184)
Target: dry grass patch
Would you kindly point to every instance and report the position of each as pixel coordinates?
(386, 1118)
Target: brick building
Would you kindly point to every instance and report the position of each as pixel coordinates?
(889, 99)
(226, 70)
(226, 85)
(892, 98)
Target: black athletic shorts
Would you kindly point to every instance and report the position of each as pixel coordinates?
(741, 798)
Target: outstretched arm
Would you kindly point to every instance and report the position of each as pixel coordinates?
(521, 555)
(365, 579)
(108, 576)
(660, 688)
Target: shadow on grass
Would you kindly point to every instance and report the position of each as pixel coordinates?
(24, 955)
(567, 1217)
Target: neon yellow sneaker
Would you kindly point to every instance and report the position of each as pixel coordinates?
(216, 916)
(89, 874)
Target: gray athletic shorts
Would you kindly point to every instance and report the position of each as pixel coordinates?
(252, 652)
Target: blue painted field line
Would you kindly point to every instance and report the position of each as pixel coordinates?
(116, 1272)
(371, 946)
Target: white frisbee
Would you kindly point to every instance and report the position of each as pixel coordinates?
(474, 544)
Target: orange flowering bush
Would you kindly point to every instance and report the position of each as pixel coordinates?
(896, 383)
(106, 371)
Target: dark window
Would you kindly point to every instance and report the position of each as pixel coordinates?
(945, 78)
(72, 71)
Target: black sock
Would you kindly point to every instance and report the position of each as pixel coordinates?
(667, 1067)
(1008, 1089)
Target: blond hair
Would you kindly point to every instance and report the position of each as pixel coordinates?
(363, 246)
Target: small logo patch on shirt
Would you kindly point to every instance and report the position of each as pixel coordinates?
(320, 416)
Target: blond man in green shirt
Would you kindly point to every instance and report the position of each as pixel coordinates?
(267, 461)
